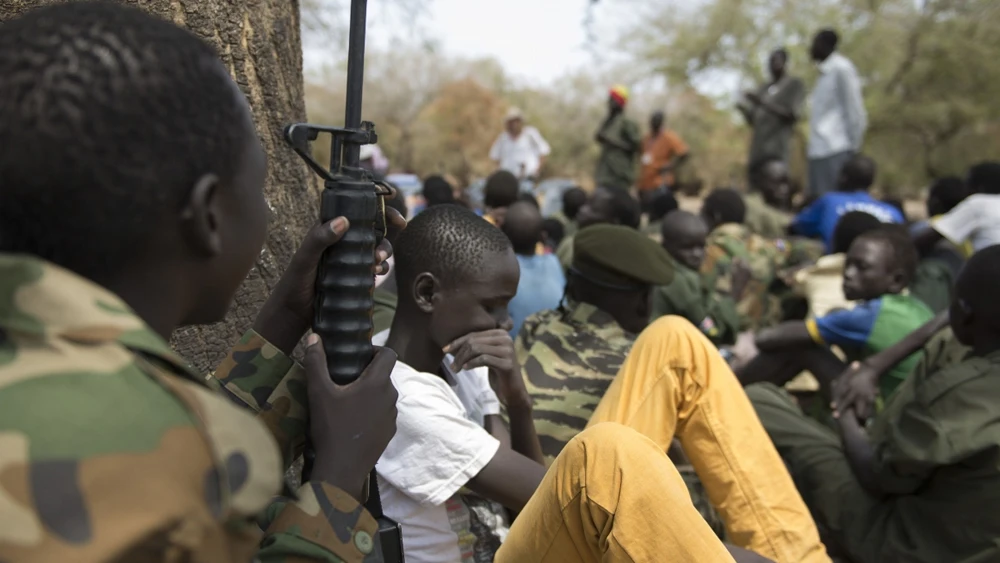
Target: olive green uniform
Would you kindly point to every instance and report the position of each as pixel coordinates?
(616, 166)
(384, 309)
(687, 296)
(937, 460)
(764, 220)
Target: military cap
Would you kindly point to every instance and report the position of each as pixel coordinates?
(620, 257)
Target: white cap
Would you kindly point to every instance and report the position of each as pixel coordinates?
(367, 151)
(512, 114)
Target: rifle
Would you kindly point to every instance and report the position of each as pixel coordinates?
(345, 278)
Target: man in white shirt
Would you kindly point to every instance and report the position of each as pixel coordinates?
(974, 222)
(519, 149)
(838, 120)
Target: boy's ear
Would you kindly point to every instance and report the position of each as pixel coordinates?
(898, 283)
(424, 287)
(200, 217)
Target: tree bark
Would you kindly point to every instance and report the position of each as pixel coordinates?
(259, 42)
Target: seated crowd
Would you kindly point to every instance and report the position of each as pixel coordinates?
(617, 382)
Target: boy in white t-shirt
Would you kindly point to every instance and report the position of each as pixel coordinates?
(452, 468)
(975, 221)
(456, 277)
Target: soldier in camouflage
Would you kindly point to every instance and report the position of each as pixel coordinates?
(111, 447)
(570, 355)
(730, 241)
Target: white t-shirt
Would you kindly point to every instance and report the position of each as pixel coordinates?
(527, 150)
(440, 444)
(977, 220)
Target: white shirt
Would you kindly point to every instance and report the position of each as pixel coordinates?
(976, 220)
(440, 444)
(838, 120)
(526, 150)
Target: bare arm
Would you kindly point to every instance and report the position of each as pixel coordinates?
(911, 343)
(926, 239)
(860, 454)
(509, 478)
(786, 334)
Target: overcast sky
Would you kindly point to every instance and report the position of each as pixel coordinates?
(535, 40)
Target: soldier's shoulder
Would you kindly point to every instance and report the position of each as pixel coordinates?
(98, 389)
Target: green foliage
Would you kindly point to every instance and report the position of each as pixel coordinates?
(928, 66)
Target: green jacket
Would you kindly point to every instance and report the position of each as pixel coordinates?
(764, 220)
(937, 458)
(617, 167)
(384, 310)
(688, 297)
(112, 444)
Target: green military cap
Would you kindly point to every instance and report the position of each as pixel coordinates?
(620, 256)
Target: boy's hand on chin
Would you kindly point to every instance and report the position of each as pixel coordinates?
(492, 349)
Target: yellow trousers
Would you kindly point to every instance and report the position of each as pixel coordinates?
(611, 496)
(675, 383)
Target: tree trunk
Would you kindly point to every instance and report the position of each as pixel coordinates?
(259, 42)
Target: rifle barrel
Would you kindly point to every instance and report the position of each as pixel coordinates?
(355, 77)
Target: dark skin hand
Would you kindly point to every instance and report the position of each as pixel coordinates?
(857, 388)
(513, 474)
(859, 451)
(350, 425)
(288, 312)
(494, 349)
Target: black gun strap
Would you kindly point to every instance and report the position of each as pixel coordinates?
(374, 502)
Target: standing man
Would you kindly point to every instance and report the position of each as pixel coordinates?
(520, 149)
(838, 121)
(771, 111)
(620, 142)
(662, 152)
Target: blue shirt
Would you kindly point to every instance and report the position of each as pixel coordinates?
(540, 288)
(820, 219)
(871, 327)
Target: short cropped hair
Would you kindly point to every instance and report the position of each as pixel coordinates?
(572, 200)
(553, 230)
(625, 208)
(438, 191)
(727, 204)
(108, 117)
(978, 281)
(904, 252)
(448, 241)
(850, 226)
(502, 189)
(662, 205)
(945, 194)
(985, 178)
(859, 172)
(828, 37)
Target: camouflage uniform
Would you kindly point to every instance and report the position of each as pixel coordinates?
(758, 308)
(113, 448)
(569, 356)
